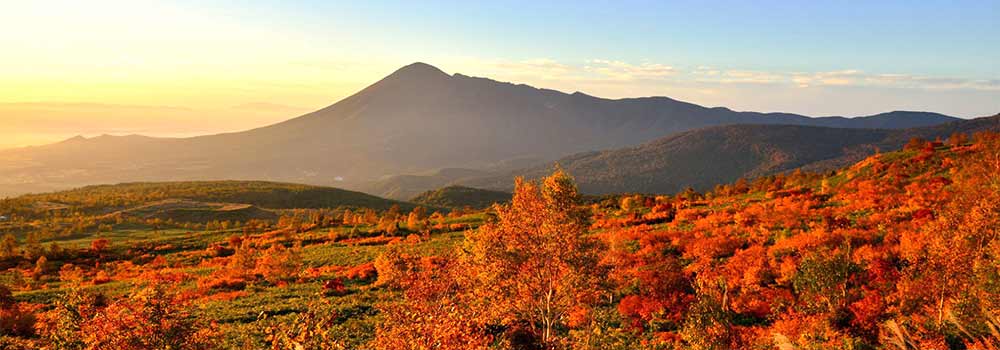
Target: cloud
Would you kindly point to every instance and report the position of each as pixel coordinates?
(915, 81)
(620, 70)
(546, 65)
(623, 71)
(589, 71)
(744, 77)
(807, 92)
(846, 77)
(615, 72)
(543, 68)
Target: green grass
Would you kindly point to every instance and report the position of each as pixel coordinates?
(123, 240)
(348, 255)
(242, 317)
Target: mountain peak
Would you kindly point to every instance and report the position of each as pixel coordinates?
(419, 70)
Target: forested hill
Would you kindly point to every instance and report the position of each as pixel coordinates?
(269, 195)
(707, 157)
(460, 196)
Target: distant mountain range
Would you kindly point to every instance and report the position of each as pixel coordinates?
(414, 121)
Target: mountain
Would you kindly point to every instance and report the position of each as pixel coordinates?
(722, 154)
(461, 196)
(415, 120)
(888, 120)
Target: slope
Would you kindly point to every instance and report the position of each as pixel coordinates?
(706, 157)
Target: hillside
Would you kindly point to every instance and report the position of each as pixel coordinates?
(407, 186)
(706, 157)
(460, 197)
(269, 195)
(188, 211)
(899, 240)
(415, 120)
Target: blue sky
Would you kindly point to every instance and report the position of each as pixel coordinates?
(191, 67)
(955, 38)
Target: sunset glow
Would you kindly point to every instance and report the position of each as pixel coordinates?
(496, 175)
(185, 68)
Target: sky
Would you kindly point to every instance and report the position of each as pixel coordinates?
(184, 68)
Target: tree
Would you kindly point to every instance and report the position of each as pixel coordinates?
(393, 213)
(348, 217)
(822, 280)
(536, 263)
(414, 221)
(628, 203)
(958, 139)
(33, 246)
(8, 247)
(150, 318)
(437, 219)
(391, 227)
(279, 263)
(314, 328)
(368, 217)
(40, 266)
(98, 246)
(71, 274)
(435, 313)
(915, 144)
(15, 319)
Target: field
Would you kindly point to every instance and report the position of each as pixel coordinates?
(114, 240)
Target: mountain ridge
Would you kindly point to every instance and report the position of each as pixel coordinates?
(414, 120)
(706, 157)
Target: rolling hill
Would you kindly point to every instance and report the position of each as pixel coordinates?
(461, 196)
(415, 120)
(706, 157)
(210, 195)
(181, 210)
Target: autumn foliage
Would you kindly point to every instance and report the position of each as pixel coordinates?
(897, 251)
(515, 281)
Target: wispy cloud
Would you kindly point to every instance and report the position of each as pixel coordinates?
(620, 70)
(544, 67)
(617, 72)
(743, 77)
(589, 70)
(846, 77)
(905, 80)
